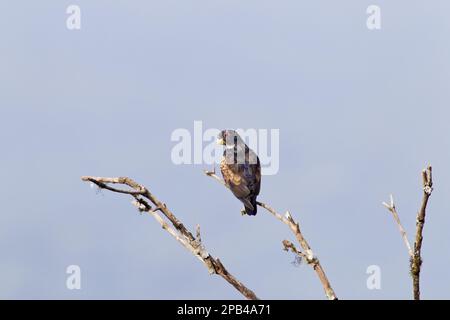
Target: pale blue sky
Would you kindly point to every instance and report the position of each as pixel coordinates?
(360, 114)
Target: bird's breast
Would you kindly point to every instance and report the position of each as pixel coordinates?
(229, 176)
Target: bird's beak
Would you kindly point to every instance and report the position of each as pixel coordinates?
(220, 141)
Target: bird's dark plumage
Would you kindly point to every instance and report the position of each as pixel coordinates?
(241, 170)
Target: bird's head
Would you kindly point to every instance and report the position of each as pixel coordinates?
(228, 138)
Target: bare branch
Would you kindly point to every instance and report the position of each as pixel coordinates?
(295, 228)
(416, 261)
(176, 229)
(213, 175)
(102, 183)
(289, 246)
(391, 207)
(415, 256)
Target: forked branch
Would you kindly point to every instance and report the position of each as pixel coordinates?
(416, 254)
(147, 202)
(294, 226)
(392, 209)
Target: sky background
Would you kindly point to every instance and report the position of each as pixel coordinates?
(360, 113)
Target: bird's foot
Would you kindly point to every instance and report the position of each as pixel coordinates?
(243, 212)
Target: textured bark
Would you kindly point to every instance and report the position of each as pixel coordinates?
(307, 253)
(416, 254)
(175, 228)
(416, 262)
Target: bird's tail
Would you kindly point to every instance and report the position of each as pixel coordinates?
(254, 210)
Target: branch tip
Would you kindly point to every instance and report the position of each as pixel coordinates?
(177, 230)
(295, 228)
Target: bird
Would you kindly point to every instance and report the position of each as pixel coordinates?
(241, 170)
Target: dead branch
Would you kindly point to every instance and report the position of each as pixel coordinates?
(415, 256)
(289, 246)
(295, 228)
(391, 207)
(416, 262)
(193, 244)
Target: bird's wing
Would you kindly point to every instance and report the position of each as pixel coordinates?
(234, 177)
(252, 173)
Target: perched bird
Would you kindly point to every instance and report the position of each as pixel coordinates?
(240, 169)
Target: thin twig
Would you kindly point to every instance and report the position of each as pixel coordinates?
(177, 230)
(289, 246)
(295, 228)
(391, 207)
